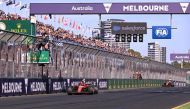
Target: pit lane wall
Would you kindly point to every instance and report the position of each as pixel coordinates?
(30, 86)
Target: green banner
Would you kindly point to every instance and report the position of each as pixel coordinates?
(19, 26)
(38, 57)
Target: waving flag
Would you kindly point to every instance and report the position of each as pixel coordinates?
(2, 1)
(79, 27)
(66, 21)
(74, 24)
(18, 4)
(62, 19)
(59, 20)
(54, 17)
(10, 2)
(23, 6)
(70, 24)
(46, 17)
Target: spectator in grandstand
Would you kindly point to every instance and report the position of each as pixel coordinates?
(2, 13)
(61, 34)
(137, 75)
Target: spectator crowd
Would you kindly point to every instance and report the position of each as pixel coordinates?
(61, 34)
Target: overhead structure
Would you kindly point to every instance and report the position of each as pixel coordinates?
(110, 8)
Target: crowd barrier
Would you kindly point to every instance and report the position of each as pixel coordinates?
(29, 86)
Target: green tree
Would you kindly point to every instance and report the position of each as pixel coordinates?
(186, 65)
(138, 54)
(147, 58)
(177, 64)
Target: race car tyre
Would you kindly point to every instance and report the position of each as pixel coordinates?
(69, 91)
(91, 90)
(95, 90)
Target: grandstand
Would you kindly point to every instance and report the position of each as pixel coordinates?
(76, 57)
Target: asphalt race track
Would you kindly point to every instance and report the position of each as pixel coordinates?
(160, 98)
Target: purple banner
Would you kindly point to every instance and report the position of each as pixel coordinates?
(179, 57)
(149, 8)
(66, 8)
(110, 8)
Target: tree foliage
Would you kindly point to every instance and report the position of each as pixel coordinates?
(177, 64)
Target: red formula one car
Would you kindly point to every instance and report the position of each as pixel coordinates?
(82, 89)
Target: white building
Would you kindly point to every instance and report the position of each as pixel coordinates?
(156, 53)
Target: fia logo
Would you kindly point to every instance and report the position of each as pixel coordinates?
(161, 32)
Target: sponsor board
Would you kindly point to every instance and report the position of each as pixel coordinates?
(11, 87)
(36, 86)
(38, 57)
(110, 8)
(129, 27)
(58, 85)
(91, 81)
(161, 32)
(18, 26)
(102, 84)
(179, 57)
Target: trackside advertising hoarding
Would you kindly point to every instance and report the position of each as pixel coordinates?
(179, 57)
(103, 84)
(12, 86)
(37, 86)
(110, 8)
(58, 85)
(28, 86)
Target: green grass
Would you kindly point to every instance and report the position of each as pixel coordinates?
(184, 106)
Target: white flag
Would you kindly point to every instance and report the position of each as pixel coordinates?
(18, 4)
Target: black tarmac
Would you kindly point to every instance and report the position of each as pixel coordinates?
(149, 98)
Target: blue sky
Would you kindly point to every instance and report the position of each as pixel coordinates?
(180, 42)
